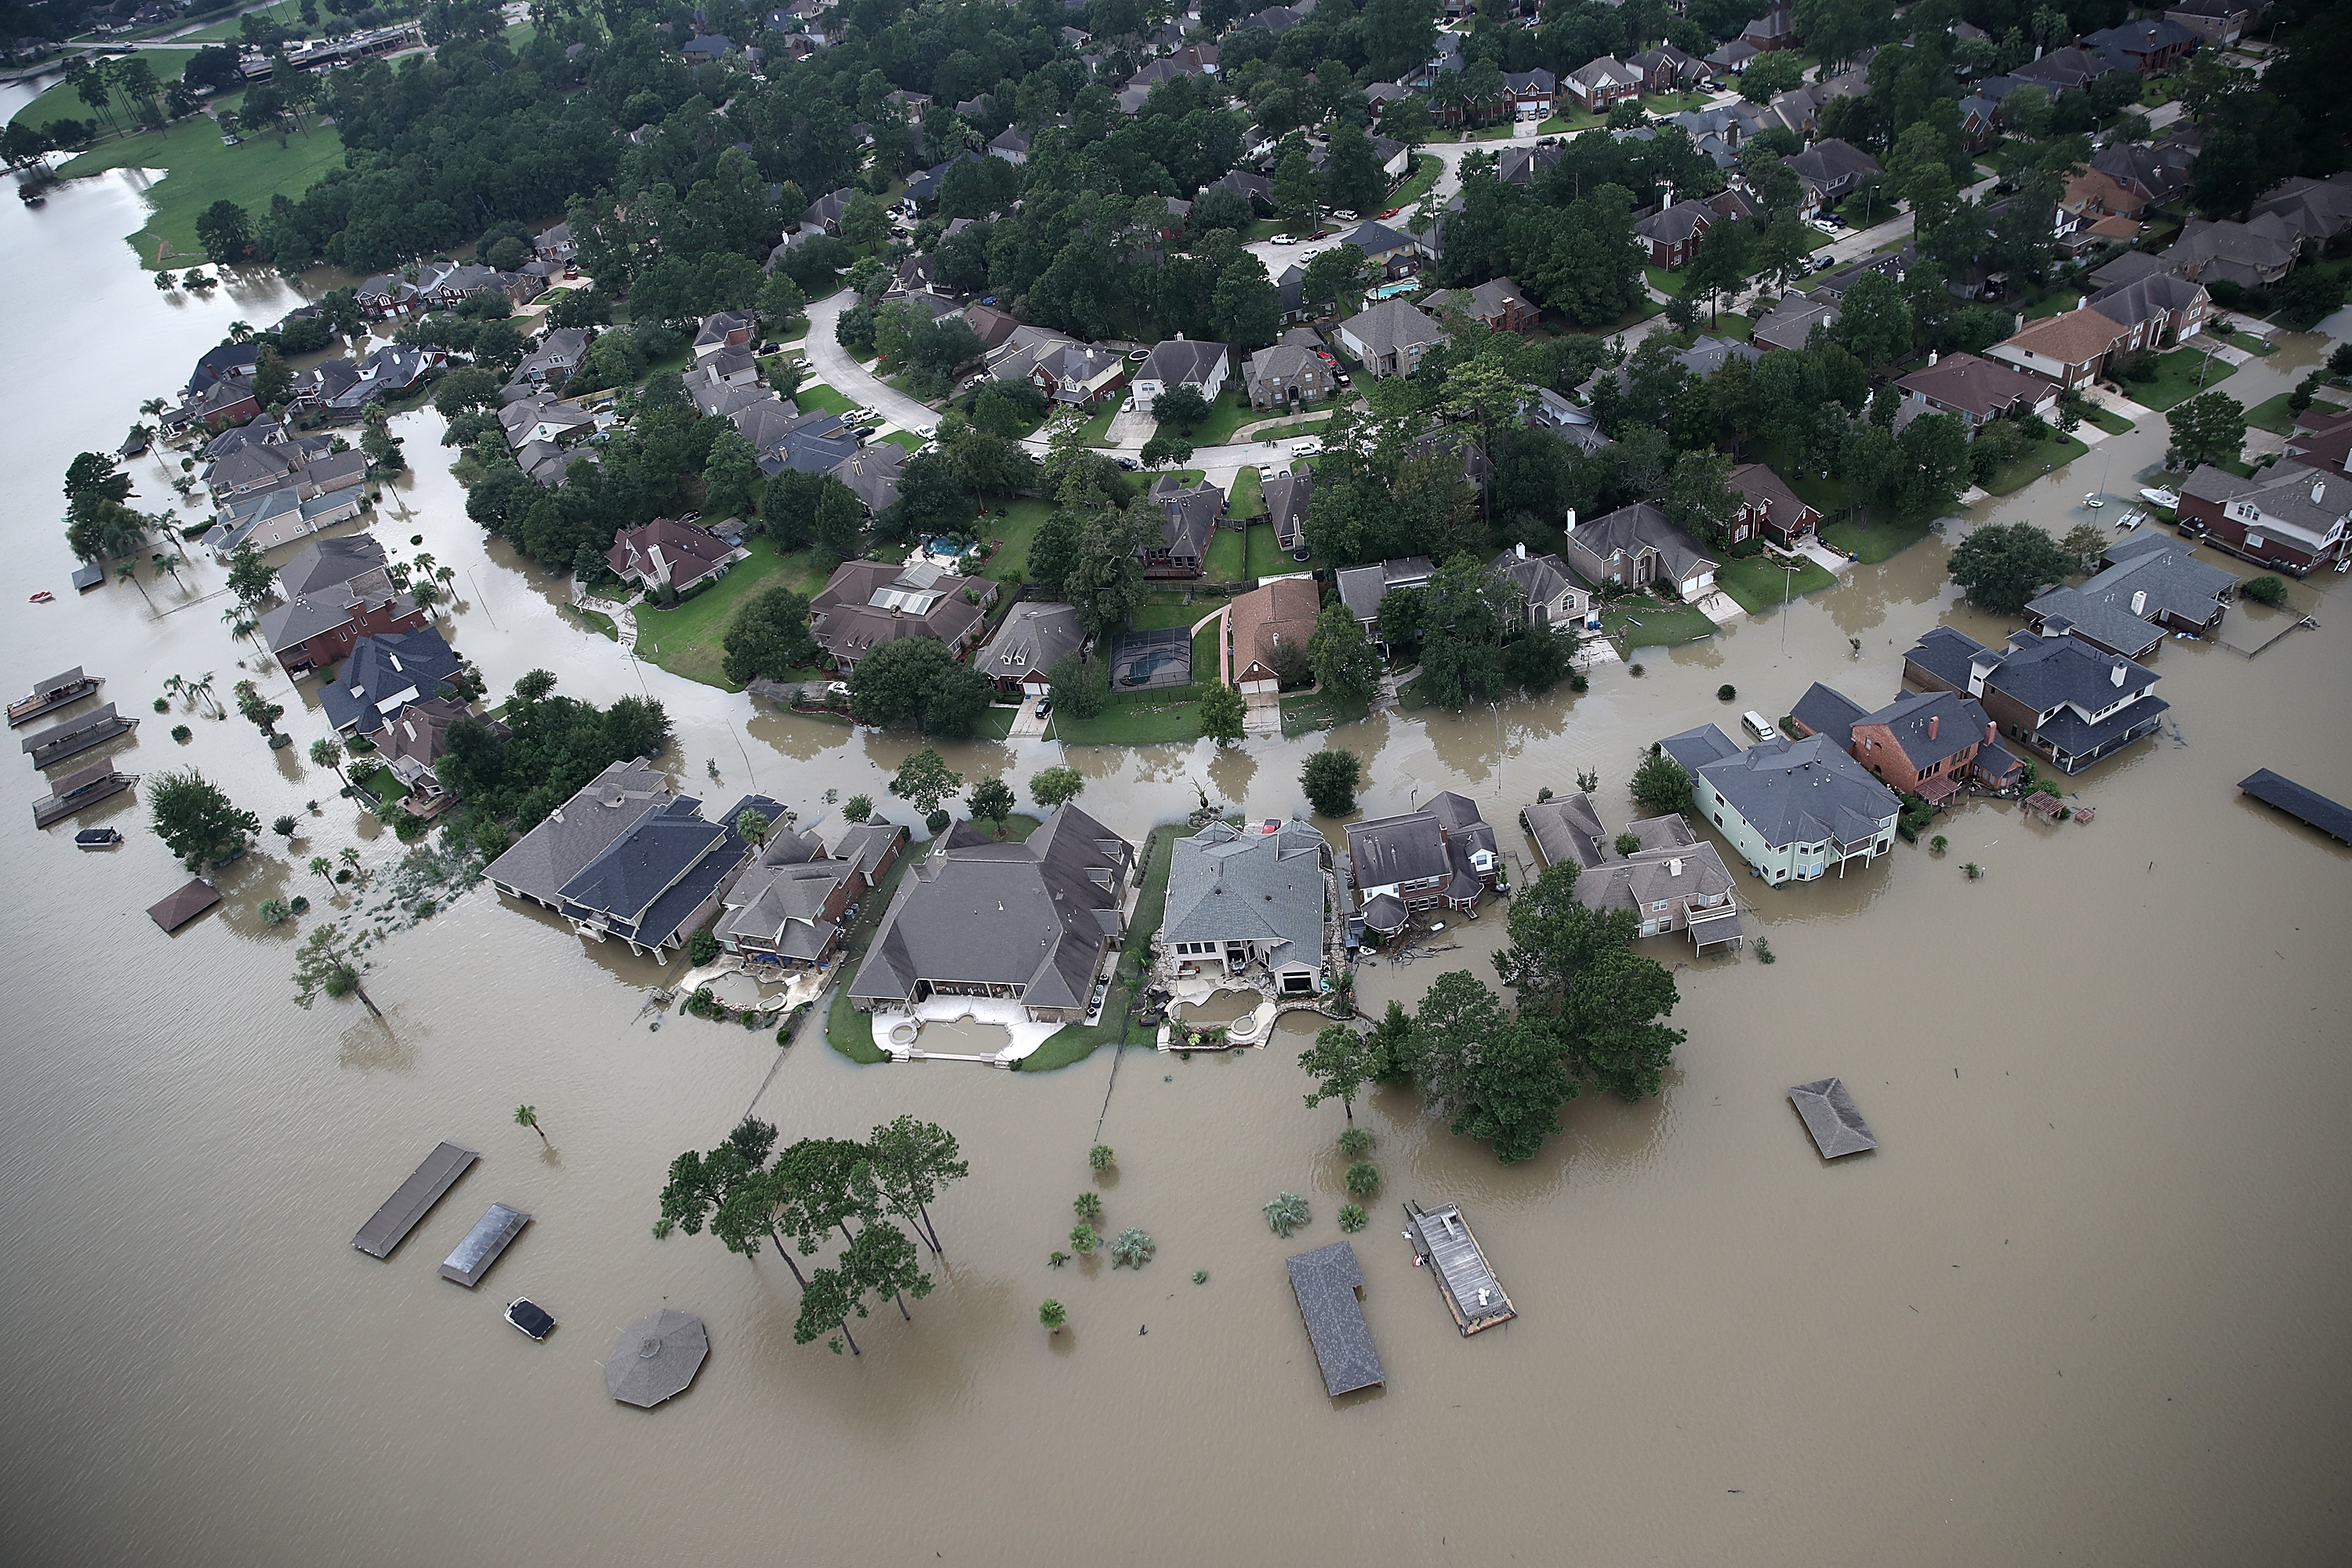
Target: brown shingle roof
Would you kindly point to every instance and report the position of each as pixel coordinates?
(1276, 613)
(2076, 337)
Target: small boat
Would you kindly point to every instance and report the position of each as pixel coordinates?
(2095, 500)
(43, 597)
(530, 1317)
(2131, 520)
(96, 838)
(2169, 499)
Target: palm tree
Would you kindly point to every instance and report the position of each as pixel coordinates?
(527, 1116)
(423, 563)
(128, 571)
(322, 867)
(351, 860)
(329, 754)
(177, 685)
(240, 621)
(203, 691)
(151, 408)
(240, 331)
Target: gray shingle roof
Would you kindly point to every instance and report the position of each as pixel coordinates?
(381, 673)
(576, 831)
(1034, 638)
(1228, 884)
(1958, 720)
(1808, 793)
(1326, 1281)
(1825, 711)
(1569, 827)
(1182, 361)
(1832, 1117)
(651, 879)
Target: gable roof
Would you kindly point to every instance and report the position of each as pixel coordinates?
(384, 673)
(1231, 884)
(691, 552)
(872, 473)
(1182, 361)
(656, 874)
(1270, 615)
(1034, 639)
(1826, 710)
(2072, 337)
(1790, 324)
(1392, 325)
(1630, 530)
(1975, 387)
(1808, 792)
(1672, 225)
(1325, 1282)
(576, 833)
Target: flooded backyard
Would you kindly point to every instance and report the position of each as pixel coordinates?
(2090, 1300)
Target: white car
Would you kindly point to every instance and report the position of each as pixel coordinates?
(1826, 226)
(1306, 449)
(927, 431)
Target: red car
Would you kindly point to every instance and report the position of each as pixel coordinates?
(1391, 213)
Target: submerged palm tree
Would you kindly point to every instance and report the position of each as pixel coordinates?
(329, 754)
(527, 1116)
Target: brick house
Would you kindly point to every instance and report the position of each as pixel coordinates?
(1673, 234)
(1930, 744)
(2288, 516)
(1598, 85)
(1767, 505)
(2070, 348)
(337, 591)
(1975, 390)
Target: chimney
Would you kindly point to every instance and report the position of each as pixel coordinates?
(1523, 551)
(1675, 866)
(2139, 603)
(1570, 526)
(1992, 733)
(2115, 676)
(1935, 722)
(2318, 488)
(1931, 357)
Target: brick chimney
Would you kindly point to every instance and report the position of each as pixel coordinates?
(1992, 733)
(1935, 722)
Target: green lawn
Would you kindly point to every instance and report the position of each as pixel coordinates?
(1245, 500)
(2246, 340)
(1757, 582)
(2272, 414)
(1664, 281)
(1872, 542)
(2037, 459)
(1014, 531)
(597, 620)
(1732, 324)
(381, 782)
(1659, 625)
(2176, 379)
(907, 438)
(1075, 1042)
(1292, 431)
(62, 102)
(2107, 419)
(199, 172)
(1230, 411)
(1161, 613)
(846, 1029)
(1228, 555)
(1418, 179)
(1208, 648)
(1266, 558)
(1097, 426)
(1576, 118)
(816, 394)
(1305, 714)
(685, 640)
(1133, 724)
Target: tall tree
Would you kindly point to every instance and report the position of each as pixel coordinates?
(2002, 566)
(2207, 428)
(328, 964)
(1105, 581)
(195, 818)
(1491, 1075)
(913, 1163)
(1346, 663)
(1340, 1063)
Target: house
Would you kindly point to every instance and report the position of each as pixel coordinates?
(1392, 338)
(1030, 924)
(2252, 255)
(1553, 411)
(299, 506)
(1260, 627)
(544, 418)
(1930, 744)
(872, 472)
(2156, 311)
(2148, 586)
(223, 402)
(1791, 811)
(2150, 45)
(1396, 254)
(555, 244)
(1674, 881)
(1497, 304)
(2218, 22)
(1531, 92)
(1443, 854)
(1790, 324)
(448, 286)
(1256, 189)
(541, 862)
(2157, 174)
(553, 358)
(1180, 361)
(1547, 592)
(384, 673)
(2068, 69)
(2317, 210)
(416, 737)
(1012, 144)
(2289, 516)
(1285, 375)
(1598, 85)
(665, 553)
(1077, 374)
(1976, 390)
(387, 295)
(1776, 29)
(224, 361)
(868, 602)
(992, 325)
(1666, 69)
(1636, 546)
(1673, 234)
(1732, 57)
(661, 879)
(337, 591)
(2322, 438)
(1830, 170)
(1979, 121)
(791, 902)
(1243, 896)
(725, 330)
(2059, 696)
(1286, 495)
(1361, 588)
(2070, 348)
(1190, 515)
(1769, 507)
(1034, 639)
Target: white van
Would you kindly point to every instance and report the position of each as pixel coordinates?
(1759, 726)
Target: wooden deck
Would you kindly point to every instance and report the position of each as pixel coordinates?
(414, 1199)
(1442, 1244)
(2308, 805)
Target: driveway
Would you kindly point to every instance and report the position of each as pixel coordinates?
(833, 366)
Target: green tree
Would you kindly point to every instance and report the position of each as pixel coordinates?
(1105, 581)
(1363, 1179)
(1721, 263)
(918, 678)
(1298, 191)
(1132, 1249)
(1578, 979)
(912, 1163)
(1768, 76)
(1080, 686)
(328, 964)
(225, 231)
(1494, 1077)
(2002, 566)
(769, 636)
(2087, 543)
(992, 802)
(1661, 785)
(1053, 552)
(1699, 496)
(1340, 1063)
(272, 380)
(1051, 1313)
(249, 577)
(1087, 1206)
(732, 483)
(1222, 713)
(1056, 785)
(1356, 182)
(527, 1116)
(195, 818)
(925, 781)
(262, 714)
(1285, 1212)
(2207, 428)
(1181, 406)
(1330, 779)
(1875, 322)
(1245, 305)
(1346, 663)
(1335, 279)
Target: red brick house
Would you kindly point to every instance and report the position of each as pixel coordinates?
(1767, 506)
(1930, 745)
(337, 591)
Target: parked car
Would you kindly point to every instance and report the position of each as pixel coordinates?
(1044, 708)
(1826, 226)
(927, 432)
(1340, 378)
(1344, 215)
(1390, 214)
(836, 688)
(1308, 447)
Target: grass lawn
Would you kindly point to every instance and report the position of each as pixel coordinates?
(1297, 427)
(1266, 558)
(816, 394)
(1732, 324)
(1757, 582)
(1230, 411)
(1160, 613)
(907, 438)
(597, 620)
(1098, 426)
(1310, 711)
(2176, 379)
(2041, 455)
(1872, 542)
(1417, 182)
(1664, 281)
(1576, 118)
(62, 102)
(995, 724)
(199, 172)
(1011, 564)
(1245, 500)
(2107, 419)
(2272, 414)
(1208, 646)
(1632, 318)
(1638, 624)
(1075, 1042)
(381, 782)
(1133, 724)
(2246, 340)
(685, 641)
(1228, 555)
(846, 1029)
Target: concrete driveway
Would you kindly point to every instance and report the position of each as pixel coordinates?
(833, 365)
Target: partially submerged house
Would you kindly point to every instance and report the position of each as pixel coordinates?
(539, 864)
(1444, 853)
(1253, 895)
(384, 673)
(2058, 695)
(789, 902)
(1639, 544)
(337, 591)
(661, 879)
(2147, 587)
(1673, 881)
(2289, 516)
(1791, 811)
(1932, 744)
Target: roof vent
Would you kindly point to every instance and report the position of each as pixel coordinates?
(1675, 866)
(2318, 488)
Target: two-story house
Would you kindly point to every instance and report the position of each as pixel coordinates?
(1253, 895)
(1791, 811)
(1181, 361)
(1975, 390)
(1932, 744)
(1392, 338)
(1673, 879)
(337, 591)
(868, 602)
(667, 553)
(1286, 375)
(1639, 544)
(2289, 516)
(1443, 854)
(1767, 507)
(791, 902)
(1189, 514)
(1545, 589)
(2059, 696)
(2147, 587)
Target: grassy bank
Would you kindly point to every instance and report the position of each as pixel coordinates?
(2272, 413)
(199, 171)
(686, 640)
(1637, 624)
(1872, 542)
(1075, 1042)
(846, 1029)
(61, 102)
(2041, 458)
(1757, 583)
(2176, 379)
(1310, 711)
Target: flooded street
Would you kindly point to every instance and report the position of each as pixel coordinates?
(2091, 1300)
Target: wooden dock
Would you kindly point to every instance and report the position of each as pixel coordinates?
(78, 791)
(2306, 805)
(414, 1199)
(49, 696)
(1442, 1244)
(75, 736)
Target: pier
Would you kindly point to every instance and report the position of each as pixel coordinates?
(413, 1200)
(1442, 1244)
(78, 791)
(2303, 805)
(75, 736)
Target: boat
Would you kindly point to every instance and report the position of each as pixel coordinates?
(2131, 520)
(98, 838)
(2157, 495)
(530, 1317)
(2095, 500)
(43, 597)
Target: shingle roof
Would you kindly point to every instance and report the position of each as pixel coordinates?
(2145, 299)
(1326, 1281)
(1958, 722)
(1945, 654)
(381, 673)
(1391, 325)
(1670, 226)
(1269, 615)
(1361, 588)
(1826, 710)
(1229, 884)
(2072, 337)
(1977, 386)
(2306, 503)
(1832, 1117)
(1569, 827)
(576, 831)
(1807, 793)
(1034, 639)
(1185, 362)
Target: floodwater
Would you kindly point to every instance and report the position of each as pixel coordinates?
(2088, 1301)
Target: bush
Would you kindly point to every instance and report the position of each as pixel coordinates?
(1940, 844)
(1363, 1179)
(1726, 692)
(701, 948)
(181, 733)
(1352, 1217)
(937, 821)
(1100, 1157)
(1354, 1142)
(1578, 683)
(1764, 953)
(1087, 1206)
(858, 808)
(1132, 1249)
(1628, 843)
(2265, 590)
(1082, 1239)
(1050, 1312)
(1330, 779)
(1286, 1213)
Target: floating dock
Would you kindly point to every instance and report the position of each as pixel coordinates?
(75, 736)
(78, 791)
(49, 696)
(483, 1244)
(415, 1198)
(1326, 1281)
(2305, 805)
(1442, 1244)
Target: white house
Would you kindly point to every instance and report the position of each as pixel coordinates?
(1181, 361)
(1791, 811)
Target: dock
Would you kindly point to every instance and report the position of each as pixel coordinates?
(78, 792)
(1326, 1283)
(413, 1200)
(49, 696)
(2303, 805)
(75, 736)
(1442, 1244)
(491, 1234)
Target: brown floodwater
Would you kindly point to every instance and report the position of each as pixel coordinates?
(2088, 1301)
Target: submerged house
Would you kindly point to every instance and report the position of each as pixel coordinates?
(2059, 695)
(662, 878)
(1673, 881)
(1443, 854)
(1791, 811)
(542, 861)
(1931, 744)
(1239, 896)
(792, 900)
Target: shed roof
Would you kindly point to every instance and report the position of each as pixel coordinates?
(1832, 1117)
(1326, 1281)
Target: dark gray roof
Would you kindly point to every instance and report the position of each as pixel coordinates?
(1393, 850)
(328, 562)
(2097, 617)
(629, 883)
(1832, 1117)
(414, 1199)
(1632, 529)
(1326, 1281)
(1034, 637)
(1808, 793)
(1957, 720)
(2296, 801)
(1945, 654)
(1825, 711)
(2045, 673)
(1186, 361)
(1230, 884)
(545, 858)
(1569, 827)
(1386, 913)
(383, 673)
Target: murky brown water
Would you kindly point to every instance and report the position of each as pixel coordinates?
(2088, 1302)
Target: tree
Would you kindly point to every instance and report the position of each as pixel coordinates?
(1875, 322)
(1181, 406)
(527, 1116)
(1340, 1063)
(1345, 662)
(249, 578)
(328, 964)
(769, 638)
(2087, 543)
(1053, 552)
(1105, 582)
(328, 752)
(1285, 1212)
(261, 714)
(1246, 306)
(754, 826)
(1494, 1077)
(1296, 191)
(225, 231)
(1356, 182)
(1768, 76)
(1578, 980)
(1661, 785)
(918, 678)
(272, 379)
(924, 781)
(1331, 778)
(1337, 278)
(2003, 564)
(1051, 1313)
(1165, 452)
(1056, 785)
(1222, 713)
(1698, 495)
(1721, 263)
(992, 801)
(196, 820)
(1079, 686)
(912, 1162)
(2207, 428)
(732, 484)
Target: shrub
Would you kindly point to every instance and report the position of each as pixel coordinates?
(1578, 683)
(1627, 843)
(1633, 669)
(1363, 1179)
(163, 705)
(181, 733)
(1764, 953)
(1087, 1206)
(858, 808)
(1100, 1157)
(1050, 1312)
(1200, 1277)
(937, 821)
(1286, 1213)
(701, 948)
(1330, 779)
(273, 911)
(1973, 870)
(2265, 590)
(1082, 1239)
(1726, 692)
(1940, 844)
(1132, 1249)
(1355, 1141)
(1056, 1258)
(1352, 1217)
(284, 826)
